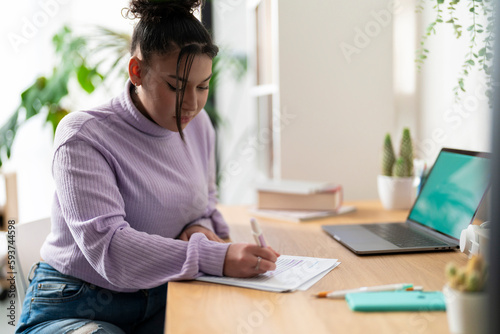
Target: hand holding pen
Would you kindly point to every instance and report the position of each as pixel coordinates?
(247, 260)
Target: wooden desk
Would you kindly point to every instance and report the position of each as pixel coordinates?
(198, 307)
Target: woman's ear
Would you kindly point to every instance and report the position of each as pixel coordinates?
(135, 71)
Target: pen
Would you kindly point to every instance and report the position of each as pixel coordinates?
(342, 293)
(257, 233)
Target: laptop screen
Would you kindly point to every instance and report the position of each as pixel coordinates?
(453, 191)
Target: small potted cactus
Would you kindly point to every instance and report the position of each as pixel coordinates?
(397, 186)
(465, 296)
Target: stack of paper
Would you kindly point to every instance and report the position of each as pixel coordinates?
(292, 273)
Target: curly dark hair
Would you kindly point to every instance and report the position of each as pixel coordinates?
(169, 25)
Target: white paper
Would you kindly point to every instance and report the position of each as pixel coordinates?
(316, 279)
(292, 272)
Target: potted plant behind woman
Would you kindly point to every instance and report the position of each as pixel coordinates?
(397, 185)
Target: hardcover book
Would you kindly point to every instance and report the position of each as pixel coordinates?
(299, 195)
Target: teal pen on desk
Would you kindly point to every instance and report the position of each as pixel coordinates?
(389, 287)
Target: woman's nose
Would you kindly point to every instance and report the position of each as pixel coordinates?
(189, 103)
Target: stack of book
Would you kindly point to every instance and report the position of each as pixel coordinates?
(299, 200)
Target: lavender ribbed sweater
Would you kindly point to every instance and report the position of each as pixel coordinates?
(125, 189)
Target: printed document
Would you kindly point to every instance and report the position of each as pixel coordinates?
(292, 273)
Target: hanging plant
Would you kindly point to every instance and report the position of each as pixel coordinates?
(479, 29)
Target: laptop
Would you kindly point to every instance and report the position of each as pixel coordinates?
(446, 204)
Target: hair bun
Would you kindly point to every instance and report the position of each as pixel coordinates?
(158, 9)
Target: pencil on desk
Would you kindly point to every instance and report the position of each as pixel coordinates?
(388, 287)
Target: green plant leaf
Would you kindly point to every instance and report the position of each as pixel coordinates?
(7, 134)
(30, 100)
(85, 77)
(55, 115)
(470, 61)
(482, 52)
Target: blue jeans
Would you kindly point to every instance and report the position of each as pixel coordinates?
(57, 303)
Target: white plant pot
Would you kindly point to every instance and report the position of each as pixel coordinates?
(466, 311)
(397, 192)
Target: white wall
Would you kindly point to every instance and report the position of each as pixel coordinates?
(342, 102)
(26, 32)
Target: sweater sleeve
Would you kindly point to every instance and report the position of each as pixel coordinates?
(212, 218)
(93, 209)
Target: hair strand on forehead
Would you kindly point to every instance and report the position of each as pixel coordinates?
(188, 52)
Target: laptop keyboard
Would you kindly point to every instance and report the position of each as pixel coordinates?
(402, 236)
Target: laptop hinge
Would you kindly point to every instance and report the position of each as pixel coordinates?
(440, 236)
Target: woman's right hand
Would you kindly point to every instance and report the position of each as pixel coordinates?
(242, 259)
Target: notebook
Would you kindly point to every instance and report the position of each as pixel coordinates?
(446, 204)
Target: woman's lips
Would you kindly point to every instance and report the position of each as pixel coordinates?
(185, 119)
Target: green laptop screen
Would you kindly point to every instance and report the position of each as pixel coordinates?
(452, 193)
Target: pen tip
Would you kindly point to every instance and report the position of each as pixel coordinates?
(255, 226)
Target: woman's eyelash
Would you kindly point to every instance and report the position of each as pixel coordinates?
(172, 87)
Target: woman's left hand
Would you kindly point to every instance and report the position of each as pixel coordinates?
(186, 234)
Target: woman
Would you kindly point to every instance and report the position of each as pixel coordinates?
(135, 195)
